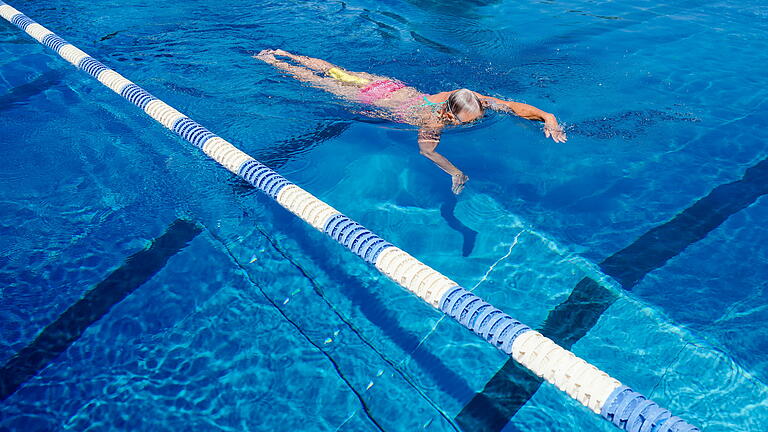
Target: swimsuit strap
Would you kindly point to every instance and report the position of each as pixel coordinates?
(428, 102)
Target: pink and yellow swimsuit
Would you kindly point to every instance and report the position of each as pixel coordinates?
(379, 90)
(384, 88)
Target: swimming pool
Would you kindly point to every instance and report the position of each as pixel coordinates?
(544, 229)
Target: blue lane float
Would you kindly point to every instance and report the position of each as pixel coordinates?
(481, 317)
(604, 395)
(633, 412)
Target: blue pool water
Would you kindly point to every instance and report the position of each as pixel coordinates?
(260, 323)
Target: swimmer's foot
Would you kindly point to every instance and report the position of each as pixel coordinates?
(266, 56)
(458, 181)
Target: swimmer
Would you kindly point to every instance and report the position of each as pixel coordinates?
(395, 101)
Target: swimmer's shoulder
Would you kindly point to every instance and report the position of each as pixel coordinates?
(438, 97)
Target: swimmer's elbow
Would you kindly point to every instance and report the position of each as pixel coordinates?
(428, 141)
(427, 153)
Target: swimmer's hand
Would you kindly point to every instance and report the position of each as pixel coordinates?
(458, 180)
(553, 130)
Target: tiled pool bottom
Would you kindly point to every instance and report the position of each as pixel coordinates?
(244, 331)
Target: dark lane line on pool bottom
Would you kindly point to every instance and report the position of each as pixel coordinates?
(512, 386)
(23, 93)
(55, 338)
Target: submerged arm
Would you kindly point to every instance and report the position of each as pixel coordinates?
(551, 128)
(429, 138)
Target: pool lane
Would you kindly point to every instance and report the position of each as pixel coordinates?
(94, 304)
(721, 288)
(512, 387)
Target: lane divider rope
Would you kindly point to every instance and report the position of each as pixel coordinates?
(595, 389)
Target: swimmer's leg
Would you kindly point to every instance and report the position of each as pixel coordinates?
(309, 76)
(344, 84)
(358, 79)
(310, 62)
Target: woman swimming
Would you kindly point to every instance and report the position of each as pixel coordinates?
(398, 102)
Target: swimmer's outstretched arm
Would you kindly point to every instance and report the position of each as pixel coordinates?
(429, 138)
(551, 128)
